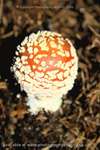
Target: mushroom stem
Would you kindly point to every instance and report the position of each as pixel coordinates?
(37, 104)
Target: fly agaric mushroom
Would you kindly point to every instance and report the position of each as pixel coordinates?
(46, 66)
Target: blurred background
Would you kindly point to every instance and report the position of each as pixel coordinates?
(77, 124)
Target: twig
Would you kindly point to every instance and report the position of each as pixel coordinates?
(7, 35)
(1, 10)
(93, 31)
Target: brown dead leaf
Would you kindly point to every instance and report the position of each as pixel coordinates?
(18, 113)
(3, 85)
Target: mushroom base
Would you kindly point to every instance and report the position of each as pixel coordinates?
(50, 104)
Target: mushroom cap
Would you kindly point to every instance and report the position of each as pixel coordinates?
(46, 64)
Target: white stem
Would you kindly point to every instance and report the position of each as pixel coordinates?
(51, 104)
